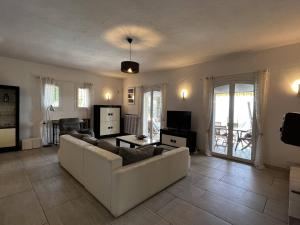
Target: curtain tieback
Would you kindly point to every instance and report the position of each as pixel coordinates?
(261, 134)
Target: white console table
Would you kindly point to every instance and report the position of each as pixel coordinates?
(294, 196)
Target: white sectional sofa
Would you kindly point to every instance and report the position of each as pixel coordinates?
(120, 188)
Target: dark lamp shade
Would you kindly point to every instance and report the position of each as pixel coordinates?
(130, 67)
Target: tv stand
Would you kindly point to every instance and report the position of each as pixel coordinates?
(178, 138)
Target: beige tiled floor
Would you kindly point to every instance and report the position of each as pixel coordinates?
(35, 190)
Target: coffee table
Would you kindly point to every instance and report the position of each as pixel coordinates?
(133, 141)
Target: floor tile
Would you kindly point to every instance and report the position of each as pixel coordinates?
(179, 212)
(21, 209)
(236, 194)
(14, 182)
(158, 201)
(186, 191)
(33, 158)
(44, 172)
(9, 162)
(257, 186)
(56, 190)
(233, 213)
(78, 212)
(209, 172)
(277, 209)
(139, 215)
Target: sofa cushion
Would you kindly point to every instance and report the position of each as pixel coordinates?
(156, 150)
(91, 140)
(75, 134)
(108, 146)
(132, 155)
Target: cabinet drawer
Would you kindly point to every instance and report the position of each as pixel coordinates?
(109, 114)
(104, 114)
(173, 140)
(115, 127)
(114, 114)
(8, 137)
(294, 205)
(105, 128)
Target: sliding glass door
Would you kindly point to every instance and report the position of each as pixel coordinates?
(152, 109)
(233, 133)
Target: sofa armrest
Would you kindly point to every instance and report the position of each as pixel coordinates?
(98, 167)
(71, 155)
(136, 182)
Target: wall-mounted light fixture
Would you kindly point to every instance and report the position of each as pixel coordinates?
(296, 87)
(107, 96)
(184, 94)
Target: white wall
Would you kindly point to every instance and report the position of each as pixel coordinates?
(23, 74)
(284, 65)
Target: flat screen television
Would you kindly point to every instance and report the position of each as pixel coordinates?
(180, 120)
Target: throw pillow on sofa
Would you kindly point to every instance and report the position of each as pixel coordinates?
(132, 155)
(75, 134)
(91, 140)
(108, 146)
(156, 150)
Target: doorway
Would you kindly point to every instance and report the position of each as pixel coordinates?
(152, 109)
(233, 112)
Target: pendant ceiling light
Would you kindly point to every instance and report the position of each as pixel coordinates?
(130, 66)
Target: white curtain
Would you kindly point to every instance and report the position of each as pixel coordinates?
(140, 92)
(164, 106)
(47, 89)
(261, 98)
(89, 98)
(208, 86)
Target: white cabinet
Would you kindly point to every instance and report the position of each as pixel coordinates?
(294, 196)
(7, 137)
(173, 140)
(106, 120)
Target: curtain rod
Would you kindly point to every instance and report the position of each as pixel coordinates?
(66, 81)
(236, 74)
(154, 85)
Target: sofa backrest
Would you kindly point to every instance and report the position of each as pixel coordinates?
(138, 181)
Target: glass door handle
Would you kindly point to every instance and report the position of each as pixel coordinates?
(296, 192)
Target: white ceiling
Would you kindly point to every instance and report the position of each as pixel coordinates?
(90, 34)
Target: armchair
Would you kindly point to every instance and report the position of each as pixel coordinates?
(68, 125)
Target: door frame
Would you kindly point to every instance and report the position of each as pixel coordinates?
(232, 81)
(151, 90)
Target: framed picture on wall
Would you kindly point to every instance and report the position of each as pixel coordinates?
(131, 96)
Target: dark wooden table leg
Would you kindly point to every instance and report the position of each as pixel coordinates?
(132, 145)
(118, 142)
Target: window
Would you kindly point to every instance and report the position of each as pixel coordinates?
(52, 95)
(83, 98)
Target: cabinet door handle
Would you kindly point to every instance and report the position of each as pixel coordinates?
(296, 192)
